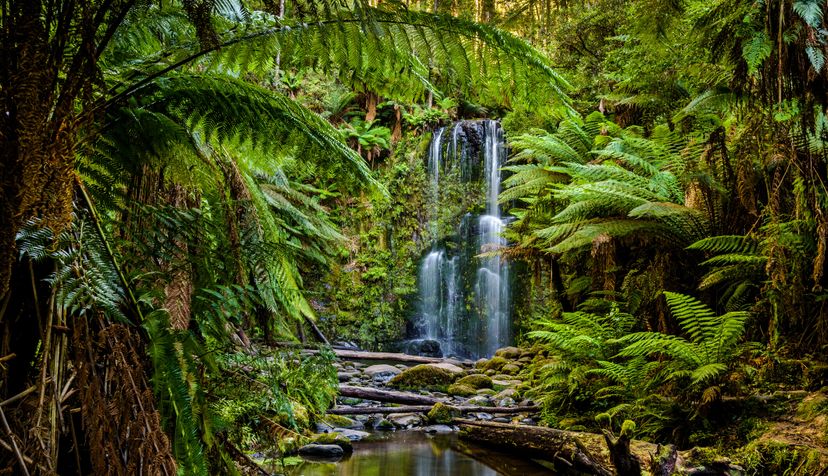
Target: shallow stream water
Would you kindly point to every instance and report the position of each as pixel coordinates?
(415, 453)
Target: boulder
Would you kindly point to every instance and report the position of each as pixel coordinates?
(506, 402)
(440, 413)
(423, 347)
(381, 371)
(476, 381)
(506, 393)
(431, 376)
(384, 424)
(326, 452)
(451, 367)
(508, 353)
(510, 369)
(480, 401)
(405, 420)
(352, 435)
(460, 390)
(486, 391)
(495, 363)
(438, 429)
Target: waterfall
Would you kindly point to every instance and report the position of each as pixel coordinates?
(463, 296)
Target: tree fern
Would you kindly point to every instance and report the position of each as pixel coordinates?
(710, 350)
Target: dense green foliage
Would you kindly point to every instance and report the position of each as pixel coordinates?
(234, 176)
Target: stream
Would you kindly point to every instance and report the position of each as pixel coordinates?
(416, 453)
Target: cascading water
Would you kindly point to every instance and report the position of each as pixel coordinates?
(464, 297)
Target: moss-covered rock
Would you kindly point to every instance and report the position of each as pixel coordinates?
(460, 390)
(338, 421)
(440, 413)
(813, 405)
(334, 439)
(775, 457)
(476, 381)
(486, 391)
(424, 376)
(508, 353)
(510, 369)
(495, 363)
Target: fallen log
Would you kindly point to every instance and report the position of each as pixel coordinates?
(426, 408)
(585, 452)
(390, 396)
(389, 356)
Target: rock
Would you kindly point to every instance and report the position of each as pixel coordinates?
(491, 372)
(425, 376)
(461, 390)
(401, 366)
(334, 439)
(346, 376)
(508, 353)
(451, 367)
(327, 452)
(506, 402)
(482, 416)
(526, 403)
(352, 435)
(506, 393)
(476, 381)
(424, 347)
(510, 369)
(480, 401)
(480, 363)
(501, 420)
(500, 384)
(438, 429)
(486, 391)
(405, 420)
(527, 421)
(440, 413)
(381, 370)
(323, 427)
(384, 424)
(495, 363)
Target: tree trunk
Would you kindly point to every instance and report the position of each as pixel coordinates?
(427, 408)
(581, 452)
(390, 396)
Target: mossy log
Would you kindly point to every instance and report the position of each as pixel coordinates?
(581, 452)
(367, 393)
(426, 408)
(389, 356)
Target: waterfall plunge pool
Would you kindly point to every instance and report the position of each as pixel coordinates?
(415, 453)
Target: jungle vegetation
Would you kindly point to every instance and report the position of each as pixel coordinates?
(187, 185)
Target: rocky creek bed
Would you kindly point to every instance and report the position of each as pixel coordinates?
(481, 405)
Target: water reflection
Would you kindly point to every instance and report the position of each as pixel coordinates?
(417, 454)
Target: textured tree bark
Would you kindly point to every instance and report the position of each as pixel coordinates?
(362, 355)
(582, 452)
(426, 408)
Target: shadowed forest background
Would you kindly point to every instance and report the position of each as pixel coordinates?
(194, 193)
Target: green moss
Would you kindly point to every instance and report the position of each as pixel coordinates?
(495, 363)
(486, 391)
(461, 390)
(334, 439)
(774, 457)
(338, 421)
(423, 376)
(812, 406)
(440, 413)
(476, 381)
